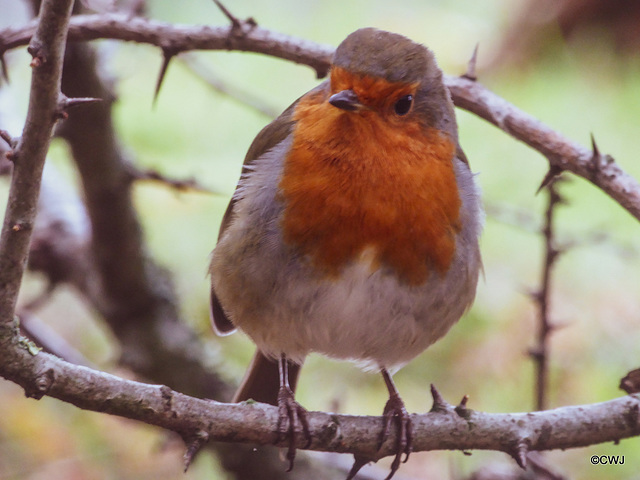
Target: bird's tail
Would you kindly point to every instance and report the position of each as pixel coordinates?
(262, 380)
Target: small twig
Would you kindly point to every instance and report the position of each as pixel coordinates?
(49, 340)
(4, 135)
(190, 184)
(540, 352)
(205, 73)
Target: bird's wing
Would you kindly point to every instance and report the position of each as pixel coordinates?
(268, 138)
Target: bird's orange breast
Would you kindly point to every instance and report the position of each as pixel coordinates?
(359, 182)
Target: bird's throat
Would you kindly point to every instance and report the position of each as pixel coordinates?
(356, 183)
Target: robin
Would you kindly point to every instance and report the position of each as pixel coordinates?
(353, 231)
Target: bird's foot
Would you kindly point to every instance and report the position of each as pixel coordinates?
(395, 409)
(288, 411)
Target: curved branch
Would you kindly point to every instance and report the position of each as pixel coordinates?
(444, 427)
(562, 153)
(181, 38)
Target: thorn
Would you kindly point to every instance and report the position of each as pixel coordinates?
(462, 409)
(596, 157)
(471, 66)
(7, 138)
(11, 155)
(68, 103)
(5, 70)
(168, 54)
(358, 463)
(594, 147)
(519, 454)
(631, 382)
(551, 175)
(235, 23)
(65, 103)
(193, 447)
(439, 404)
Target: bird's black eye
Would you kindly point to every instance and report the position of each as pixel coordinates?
(403, 105)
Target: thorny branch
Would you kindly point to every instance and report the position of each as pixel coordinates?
(47, 49)
(562, 153)
(445, 427)
(540, 352)
(182, 38)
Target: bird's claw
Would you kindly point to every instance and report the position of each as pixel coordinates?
(288, 411)
(395, 409)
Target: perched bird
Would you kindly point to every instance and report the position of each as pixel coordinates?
(353, 231)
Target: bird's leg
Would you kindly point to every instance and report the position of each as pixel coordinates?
(288, 411)
(395, 409)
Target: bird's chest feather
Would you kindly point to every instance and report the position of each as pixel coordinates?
(360, 185)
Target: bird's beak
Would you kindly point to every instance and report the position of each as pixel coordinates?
(346, 100)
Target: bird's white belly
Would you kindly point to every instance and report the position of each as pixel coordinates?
(369, 317)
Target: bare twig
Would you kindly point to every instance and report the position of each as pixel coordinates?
(205, 73)
(49, 339)
(47, 46)
(540, 353)
(189, 184)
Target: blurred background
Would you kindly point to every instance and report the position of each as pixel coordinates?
(574, 64)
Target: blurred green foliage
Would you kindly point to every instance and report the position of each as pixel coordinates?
(195, 132)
